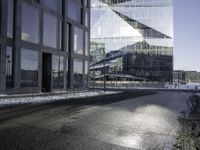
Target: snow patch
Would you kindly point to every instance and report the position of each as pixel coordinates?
(50, 98)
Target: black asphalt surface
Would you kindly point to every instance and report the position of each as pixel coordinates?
(124, 121)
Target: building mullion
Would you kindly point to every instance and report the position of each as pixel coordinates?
(16, 42)
(40, 50)
(71, 57)
(3, 45)
(64, 39)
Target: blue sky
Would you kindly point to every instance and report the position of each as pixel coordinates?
(187, 34)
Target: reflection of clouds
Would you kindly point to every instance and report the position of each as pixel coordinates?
(26, 37)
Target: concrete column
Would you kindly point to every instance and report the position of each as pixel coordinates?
(16, 43)
(3, 45)
(71, 57)
(40, 48)
(64, 41)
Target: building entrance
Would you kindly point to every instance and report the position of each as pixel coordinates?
(46, 72)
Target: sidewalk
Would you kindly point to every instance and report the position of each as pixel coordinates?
(20, 99)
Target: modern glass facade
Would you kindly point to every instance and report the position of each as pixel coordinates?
(136, 37)
(41, 42)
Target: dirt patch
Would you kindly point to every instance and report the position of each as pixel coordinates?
(189, 134)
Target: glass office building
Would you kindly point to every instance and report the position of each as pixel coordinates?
(136, 37)
(44, 45)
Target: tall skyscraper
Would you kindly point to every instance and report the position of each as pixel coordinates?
(137, 37)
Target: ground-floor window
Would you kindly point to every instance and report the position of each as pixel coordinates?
(78, 73)
(29, 68)
(58, 72)
(9, 67)
(86, 73)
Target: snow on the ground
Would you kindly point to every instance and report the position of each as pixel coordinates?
(50, 98)
(189, 86)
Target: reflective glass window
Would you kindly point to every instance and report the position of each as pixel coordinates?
(74, 10)
(50, 30)
(86, 18)
(86, 73)
(86, 43)
(78, 73)
(86, 67)
(58, 71)
(137, 41)
(30, 23)
(78, 40)
(67, 37)
(67, 74)
(9, 67)
(53, 4)
(86, 2)
(29, 68)
(10, 19)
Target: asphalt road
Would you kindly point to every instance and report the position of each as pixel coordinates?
(146, 122)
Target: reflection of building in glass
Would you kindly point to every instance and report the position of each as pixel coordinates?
(181, 76)
(137, 38)
(41, 44)
(97, 51)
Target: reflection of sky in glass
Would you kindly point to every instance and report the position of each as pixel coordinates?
(30, 27)
(78, 40)
(110, 28)
(73, 10)
(50, 30)
(54, 4)
(10, 19)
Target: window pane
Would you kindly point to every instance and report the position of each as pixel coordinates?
(53, 4)
(86, 43)
(74, 11)
(10, 19)
(78, 73)
(86, 67)
(67, 74)
(86, 73)
(30, 23)
(50, 30)
(86, 2)
(9, 67)
(58, 72)
(29, 68)
(86, 18)
(78, 40)
(68, 37)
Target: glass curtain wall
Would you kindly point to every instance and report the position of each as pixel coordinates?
(50, 30)
(58, 72)
(78, 40)
(30, 28)
(136, 37)
(10, 18)
(53, 4)
(29, 68)
(9, 67)
(78, 73)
